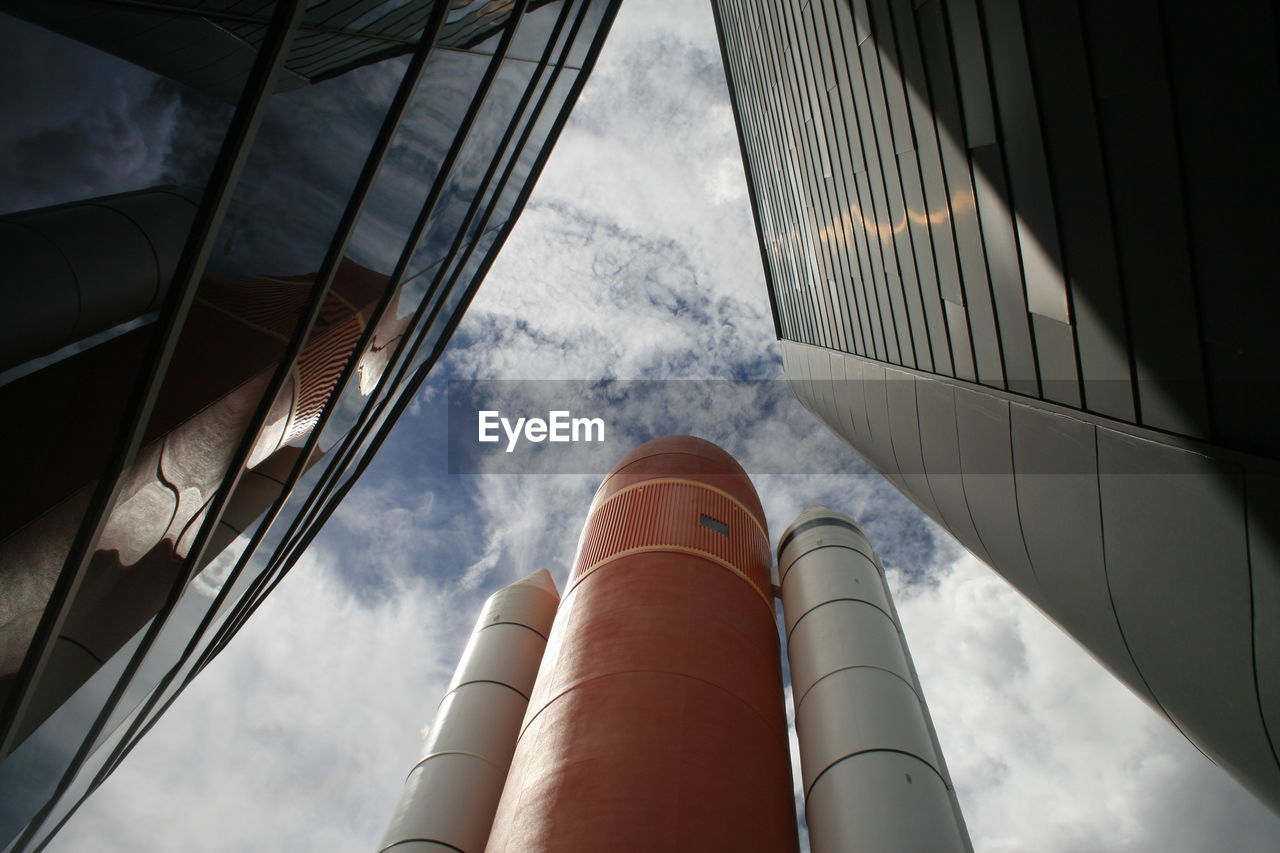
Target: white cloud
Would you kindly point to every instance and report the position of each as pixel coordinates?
(624, 264)
(1049, 752)
(299, 737)
(78, 133)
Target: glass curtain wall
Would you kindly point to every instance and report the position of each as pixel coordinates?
(225, 288)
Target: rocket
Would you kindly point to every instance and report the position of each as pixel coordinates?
(657, 722)
(452, 792)
(871, 766)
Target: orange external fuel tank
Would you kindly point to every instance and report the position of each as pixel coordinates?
(657, 720)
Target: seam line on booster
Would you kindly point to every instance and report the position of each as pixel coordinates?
(844, 758)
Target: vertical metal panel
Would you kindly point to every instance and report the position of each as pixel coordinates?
(773, 138)
(937, 203)
(886, 198)
(1262, 505)
(890, 65)
(868, 320)
(1189, 625)
(1059, 61)
(940, 450)
(885, 342)
(919, 222)
(840, 29)
(832, 368)
(798, 374)
(1056, 482)
(1030, 200)
(1227, 121)
(856, 235)
(1139, 143)
(1005, 271)
(900, 140)
(829, 43)
(814, 164)
(1056, 360)
(962, 344)
(1030, 195)
(880, 450)
(986, 458)
(861, 21)
(939, 268)
(820, 387)
(791, 141)
(961, 201)
(971, 73)
(872, 214)
(843, 392)
(904, 433)
(856, 403)
(815, 28)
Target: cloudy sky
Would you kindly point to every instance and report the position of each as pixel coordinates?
(636, 260)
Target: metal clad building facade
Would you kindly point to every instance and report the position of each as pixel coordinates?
(1019, 257)
(248, 318)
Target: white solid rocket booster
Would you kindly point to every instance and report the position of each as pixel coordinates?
(451, 795)
(873, 774)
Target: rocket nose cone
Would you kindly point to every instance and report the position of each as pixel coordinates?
(814, 514)
(684, 457)
(540, 579)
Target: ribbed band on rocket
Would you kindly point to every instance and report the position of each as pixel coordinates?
(873, 774)
(450, 796)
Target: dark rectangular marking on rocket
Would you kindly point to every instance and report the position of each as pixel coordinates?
(712, 524)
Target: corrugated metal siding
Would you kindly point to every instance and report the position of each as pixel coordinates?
(665, 514)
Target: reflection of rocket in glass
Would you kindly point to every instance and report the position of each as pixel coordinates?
(233, 339)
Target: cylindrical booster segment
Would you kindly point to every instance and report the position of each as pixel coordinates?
(657, 722)
(872, 770)
(450, 796)
(74, 270)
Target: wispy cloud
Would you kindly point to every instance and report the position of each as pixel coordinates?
(81, 133)
(1050, 752)
(300, 739)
